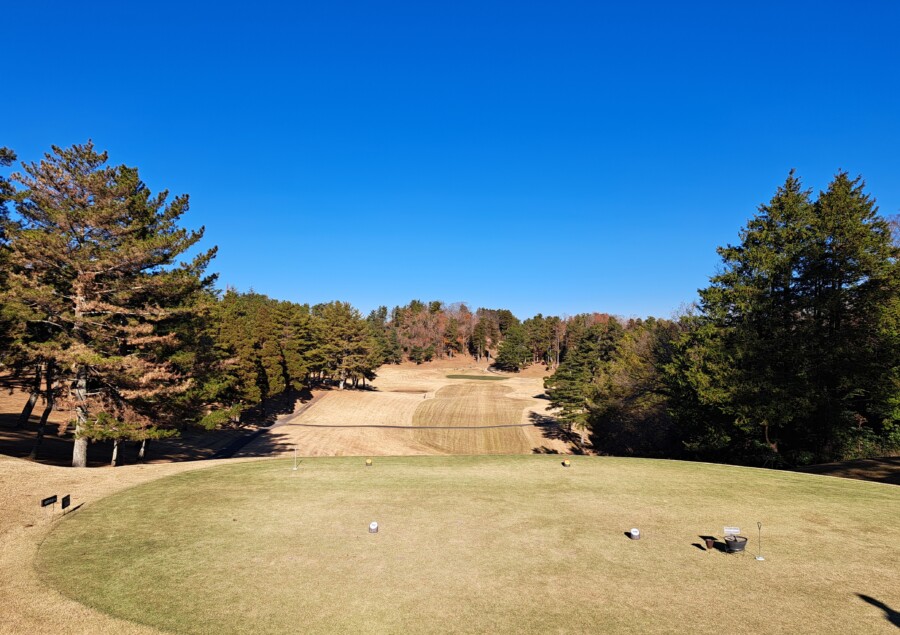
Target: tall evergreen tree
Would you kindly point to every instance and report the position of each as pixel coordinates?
(569, 388)
(388, 349)
(513, 353)
(347, 344)
(851, 285)
(698, 358)
(271, 346)
(95, 277)
(452, 342)
(801, 316)
(756, 305)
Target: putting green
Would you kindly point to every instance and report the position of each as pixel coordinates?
(511, 544)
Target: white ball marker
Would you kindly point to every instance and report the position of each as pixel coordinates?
(373, 527)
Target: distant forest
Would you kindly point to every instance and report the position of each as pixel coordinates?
(790, 357)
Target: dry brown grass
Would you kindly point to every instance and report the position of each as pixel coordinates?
(423, 396)
(513, 544)
(473, 404)
(29, 605)
(350, 407)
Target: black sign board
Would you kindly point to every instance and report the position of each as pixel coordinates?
(65, 501)
(48, 501)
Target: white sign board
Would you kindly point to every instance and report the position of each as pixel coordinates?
(731, 531)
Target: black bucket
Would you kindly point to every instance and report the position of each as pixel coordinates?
(734, 544)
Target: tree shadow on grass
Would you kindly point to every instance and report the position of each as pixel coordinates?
(551, 428)
(890, 614)
(885, 469)
(255, 444)
(56, 449)
(192, 444)
(289, 406)
(268, 412)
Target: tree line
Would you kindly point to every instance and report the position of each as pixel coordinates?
(791, 356)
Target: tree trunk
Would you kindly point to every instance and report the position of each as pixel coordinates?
(79, 450)
(40, 433)
(48, 396)
(32, 398)
(772, 445)
(115, 454)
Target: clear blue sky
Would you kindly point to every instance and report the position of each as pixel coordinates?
(558, 157)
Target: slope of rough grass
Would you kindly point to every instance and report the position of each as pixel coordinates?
(484, 544)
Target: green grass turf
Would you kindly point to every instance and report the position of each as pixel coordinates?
(481, 377)
(513, 544)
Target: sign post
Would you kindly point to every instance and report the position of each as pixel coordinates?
(46, 502)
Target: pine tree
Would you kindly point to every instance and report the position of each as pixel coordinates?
(347, 343)
(388, 349)
(756, 303)
(200, 355)
(569, 387)
(479, 342)
(799, 325)
(452, 337)
(513, 353)
(851, 286)
(94, 275)
(272, 346)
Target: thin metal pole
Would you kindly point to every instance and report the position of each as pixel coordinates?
(759, 555)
